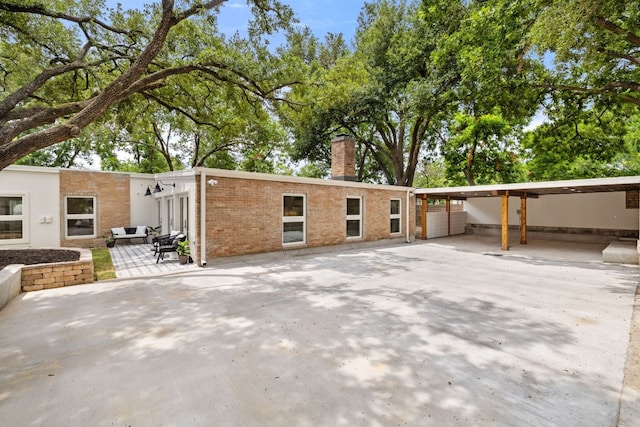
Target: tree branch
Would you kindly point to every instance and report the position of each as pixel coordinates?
(614, 28)
(620, 55)
(38, 9)
(30, 88)
(180, 110)
(602, 90)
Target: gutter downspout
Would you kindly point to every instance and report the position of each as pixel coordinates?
(203, 218)
(407, 215)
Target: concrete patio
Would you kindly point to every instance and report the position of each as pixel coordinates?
(436, 333)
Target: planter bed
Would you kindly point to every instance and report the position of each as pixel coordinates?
(50, 268)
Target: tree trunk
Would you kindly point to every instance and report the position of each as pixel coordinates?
(468, 170)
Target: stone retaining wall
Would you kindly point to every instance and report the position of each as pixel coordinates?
(56, 275)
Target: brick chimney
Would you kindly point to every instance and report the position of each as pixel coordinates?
(343, 158)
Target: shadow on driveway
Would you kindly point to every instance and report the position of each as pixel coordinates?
(404, 335)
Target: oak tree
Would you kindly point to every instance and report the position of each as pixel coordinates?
(64, 64)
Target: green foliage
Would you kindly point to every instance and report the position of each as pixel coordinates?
(184, 248)
(66, 65)
(432, 173)
(434, 91)
(482, 150)
(313, 170)
(388, 94)
(587, 143)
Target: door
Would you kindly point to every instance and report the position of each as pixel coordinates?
(184, 214)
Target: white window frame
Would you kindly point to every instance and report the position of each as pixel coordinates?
(22, 217)
(397, 216)
(171, 214)
(159, 209)
(354, 217)
(290, 219)
(68, 216)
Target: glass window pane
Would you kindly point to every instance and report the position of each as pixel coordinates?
(395, 225)
(395, 207)
(353, 206)
(79, 227)
(79, 205)
(353, 228)
(292, 232)
(11, 205)
(11, 230)
(293, 206)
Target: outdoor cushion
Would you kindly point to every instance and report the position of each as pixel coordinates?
(141, 229)
(118, 231)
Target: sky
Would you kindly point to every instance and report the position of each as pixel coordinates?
(322, 17)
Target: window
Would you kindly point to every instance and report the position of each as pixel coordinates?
(170, 215)
(12, 218)
(395, 216)
(294, 227)
(80, 216)
(184, 214)
(354, 217)
(159, 209)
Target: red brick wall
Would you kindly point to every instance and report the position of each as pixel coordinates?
(112, 194)
(244, 216)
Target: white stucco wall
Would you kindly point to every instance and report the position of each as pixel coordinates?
(41, 189)
(593, 210)
(142, 208)
(438, 226)
(185, 189)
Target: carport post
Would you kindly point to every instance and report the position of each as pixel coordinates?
(423, 219)
(523, 219)
(448, 215)
(505, 221)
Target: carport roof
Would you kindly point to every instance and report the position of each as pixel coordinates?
(535, 189)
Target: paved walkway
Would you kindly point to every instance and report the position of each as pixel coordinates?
(414, 334)
(132, 260)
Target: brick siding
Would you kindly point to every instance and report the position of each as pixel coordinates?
(244, 216)
(343, 158)
(112, 194)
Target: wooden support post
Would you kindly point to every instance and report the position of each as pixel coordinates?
(423, 224)
(505, 221)
(448, 215)
(523, 219)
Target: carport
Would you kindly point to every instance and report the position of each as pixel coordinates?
(532, 190)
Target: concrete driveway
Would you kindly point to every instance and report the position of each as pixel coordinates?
(416, 334)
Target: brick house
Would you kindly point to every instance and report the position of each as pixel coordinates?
(224, 213)
(229, 213)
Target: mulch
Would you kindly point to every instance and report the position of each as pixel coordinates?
(36, 256)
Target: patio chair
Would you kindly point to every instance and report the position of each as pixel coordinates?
(163, 240)
(169, 246)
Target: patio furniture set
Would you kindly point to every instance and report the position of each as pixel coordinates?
(176, 241)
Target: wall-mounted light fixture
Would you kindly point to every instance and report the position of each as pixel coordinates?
(158, 188)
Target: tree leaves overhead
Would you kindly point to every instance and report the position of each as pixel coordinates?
(595, 43)
(387, 94)
(482, 150)
(65, 63)
(428, 87)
